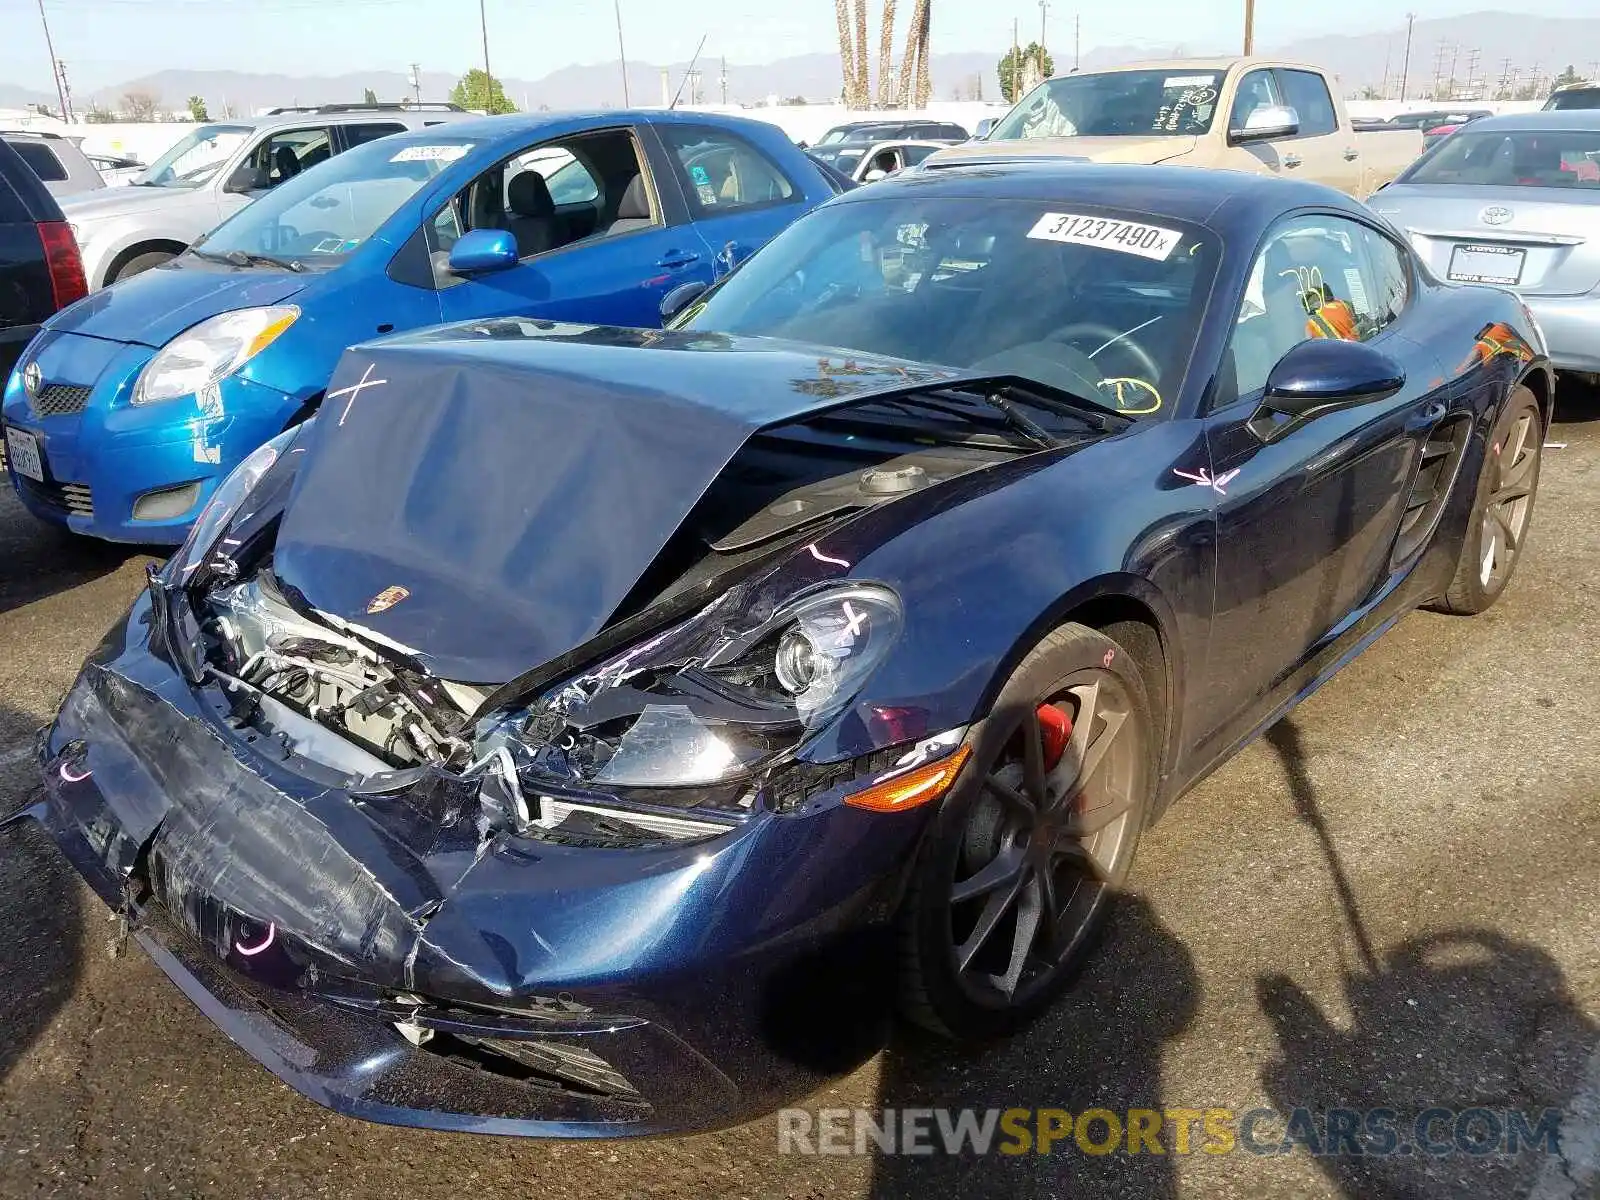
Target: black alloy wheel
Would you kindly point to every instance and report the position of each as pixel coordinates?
(1497, 530)
(1016, 875)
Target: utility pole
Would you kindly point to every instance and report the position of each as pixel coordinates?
(416, 82)
(1249, 26)
(1455, 61)
(1077, 38)
(49, 45)
(66, 91)
(622, 53)
(1501, 92)
(1044, 11)
(488, 79)
(1472, 71)
(724, 81)
(1405, 63)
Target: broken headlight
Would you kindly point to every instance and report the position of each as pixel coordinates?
(709, 700)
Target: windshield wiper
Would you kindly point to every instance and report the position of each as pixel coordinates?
(245, 258)
(1004, 391)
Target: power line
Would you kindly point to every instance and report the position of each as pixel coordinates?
(55, 69)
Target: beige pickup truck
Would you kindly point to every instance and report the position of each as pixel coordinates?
(1242, 114)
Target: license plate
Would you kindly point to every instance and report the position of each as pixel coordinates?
(1486, 264)
(22, 449)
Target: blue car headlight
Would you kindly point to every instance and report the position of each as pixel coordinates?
(224, 504)
(208, 353)
(711, 699)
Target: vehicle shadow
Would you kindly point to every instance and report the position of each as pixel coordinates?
(1099, 1046)
(41, 917)
(39, 560)
(1576, 401)
(1455, 1019)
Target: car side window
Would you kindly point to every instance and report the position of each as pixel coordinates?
(1391, 278)
(1307, 93)
(41, 160)
(1311, 279)
(550, 196)
(723, 173)
(286, 153)
(356, 135)
(1255, 90)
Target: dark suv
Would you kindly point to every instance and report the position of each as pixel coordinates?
(40, 270)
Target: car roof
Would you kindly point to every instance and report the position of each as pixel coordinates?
(1181, 193)
(531, 124)
(1550, 121)
(342, 116)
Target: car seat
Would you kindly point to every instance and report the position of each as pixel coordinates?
(634, 211)
(532, 218)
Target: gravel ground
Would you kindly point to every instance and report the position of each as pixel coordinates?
(1392, 900)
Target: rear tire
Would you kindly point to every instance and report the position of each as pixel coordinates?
(1502, 508)
(1015, 875)
(140, 263)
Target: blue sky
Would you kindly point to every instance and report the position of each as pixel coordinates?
(107, 41)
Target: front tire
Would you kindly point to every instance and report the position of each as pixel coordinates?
(1013, 881)
(140, 263)
(1497, 530)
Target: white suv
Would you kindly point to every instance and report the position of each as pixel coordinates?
(217, 169)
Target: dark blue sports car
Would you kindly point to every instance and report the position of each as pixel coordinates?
(586, 731)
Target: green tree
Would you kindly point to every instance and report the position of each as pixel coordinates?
(1566, 77)
(1013, 67)
(368, 96)
(478, 91)
(1371, 93)
(197, 109)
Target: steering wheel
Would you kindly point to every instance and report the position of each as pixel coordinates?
(1105, 333)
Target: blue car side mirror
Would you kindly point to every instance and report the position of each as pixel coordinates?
(1321, 376)
(483, 250)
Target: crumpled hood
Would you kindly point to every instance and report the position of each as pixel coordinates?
(155, 306)
(489, 494)
(1092, 149)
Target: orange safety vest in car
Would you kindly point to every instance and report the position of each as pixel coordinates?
(1333, 319)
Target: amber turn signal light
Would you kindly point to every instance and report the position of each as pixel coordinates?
(914, 788)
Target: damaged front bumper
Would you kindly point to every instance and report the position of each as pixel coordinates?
(411, 972)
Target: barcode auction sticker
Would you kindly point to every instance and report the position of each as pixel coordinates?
(1128, 237)
(429, 154)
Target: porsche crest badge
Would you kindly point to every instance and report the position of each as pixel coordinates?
(386, 599)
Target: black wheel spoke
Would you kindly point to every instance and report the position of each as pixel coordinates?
(1001, 872)
(994, 910)
(1072, 853)
(1030, 918)
(1118, 802)
(1033, 782)
(1010, 797)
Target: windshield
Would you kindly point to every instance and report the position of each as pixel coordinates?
(1115, 104)
(196, 158)
(842, 158)
(1568, 158)
(1574, 98)
(1099, 303)
(321, 215)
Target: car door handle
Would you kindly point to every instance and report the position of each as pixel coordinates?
(1351, 154)
(1292, 160)
(672, 260)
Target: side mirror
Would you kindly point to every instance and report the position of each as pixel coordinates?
(1322, 376)
(679, 298)
(248, 178)
(483, 250)
(1266, 121)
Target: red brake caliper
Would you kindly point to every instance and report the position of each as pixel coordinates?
(1055, 729)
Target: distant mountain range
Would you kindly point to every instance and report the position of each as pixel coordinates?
(1360, 60)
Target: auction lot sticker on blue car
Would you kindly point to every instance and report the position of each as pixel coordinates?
(443, 154)
(1130, 237)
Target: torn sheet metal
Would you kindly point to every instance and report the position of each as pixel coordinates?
(530, 475)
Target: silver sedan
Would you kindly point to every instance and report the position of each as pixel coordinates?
(1514, 202)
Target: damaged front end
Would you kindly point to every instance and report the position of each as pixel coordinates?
(608, 895)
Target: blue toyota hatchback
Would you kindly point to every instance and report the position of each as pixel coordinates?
(129, 408)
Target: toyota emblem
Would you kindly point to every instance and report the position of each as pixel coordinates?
(1495, 214)
(32, 379)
